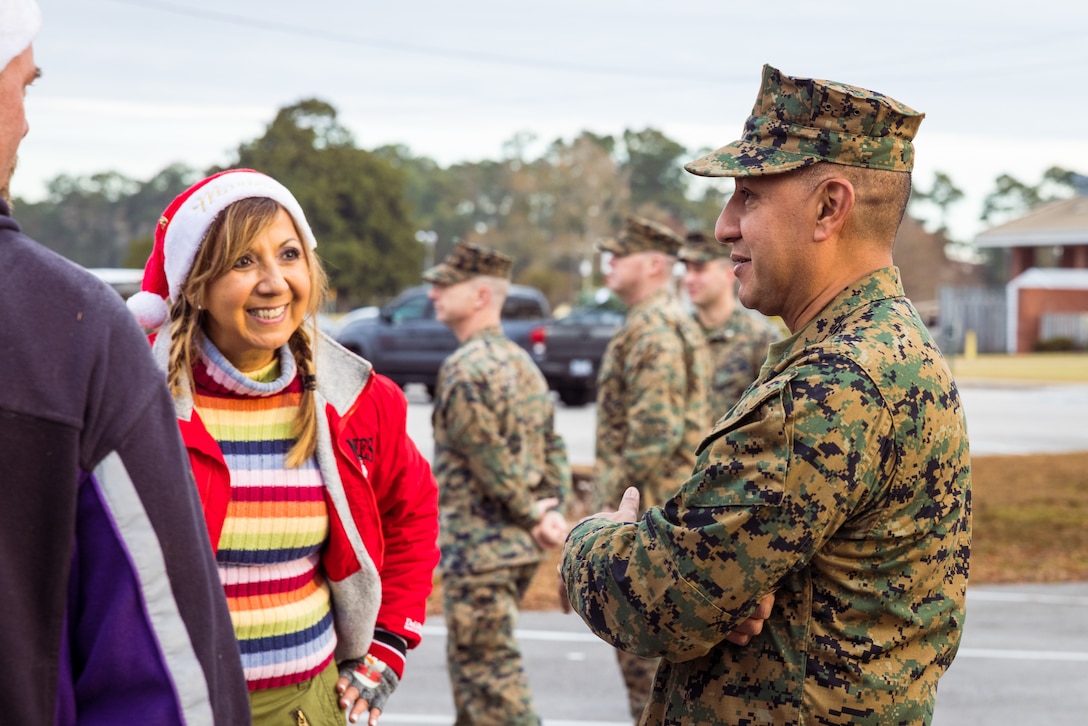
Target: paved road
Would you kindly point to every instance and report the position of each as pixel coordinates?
(1001, 419)
(1019, 419)
(1023, 662)
(1024, 657)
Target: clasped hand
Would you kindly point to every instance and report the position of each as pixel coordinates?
(551, 528)
(628, 512)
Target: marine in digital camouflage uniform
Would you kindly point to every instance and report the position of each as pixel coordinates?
(651, 388)
(496, 456)
(738, 346)
(840, 481)
(651, 399)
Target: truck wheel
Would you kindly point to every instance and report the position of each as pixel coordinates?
(575, 395)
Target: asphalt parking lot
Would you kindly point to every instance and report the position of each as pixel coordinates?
(1023, 660)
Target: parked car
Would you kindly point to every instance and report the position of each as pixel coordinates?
(405, 342)
(575, 345)
(333, 324)
(126, 281)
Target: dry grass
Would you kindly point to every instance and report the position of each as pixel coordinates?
(1030, 525)
(1041, 367)
(1030, 518)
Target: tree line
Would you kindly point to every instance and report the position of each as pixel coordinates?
(380, 215)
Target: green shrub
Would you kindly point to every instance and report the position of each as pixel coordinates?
(1060, 344)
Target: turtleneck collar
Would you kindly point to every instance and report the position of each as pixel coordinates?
(215, 372)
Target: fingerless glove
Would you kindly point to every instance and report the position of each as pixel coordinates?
(374, 678)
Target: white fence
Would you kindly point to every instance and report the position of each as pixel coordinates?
(1073, 326)
(976, 309)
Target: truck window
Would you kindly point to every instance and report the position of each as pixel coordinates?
(417, 307)
(521, 308)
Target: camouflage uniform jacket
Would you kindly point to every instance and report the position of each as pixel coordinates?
(841, 481)
(737, 351)
(496, 454)
(651, 402)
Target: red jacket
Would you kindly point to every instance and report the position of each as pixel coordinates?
(382, 498)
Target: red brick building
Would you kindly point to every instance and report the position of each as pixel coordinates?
(1048, 268)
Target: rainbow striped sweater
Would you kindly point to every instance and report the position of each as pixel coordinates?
(277, 521)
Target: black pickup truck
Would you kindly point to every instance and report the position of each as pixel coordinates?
(405, 342)
(575, 345)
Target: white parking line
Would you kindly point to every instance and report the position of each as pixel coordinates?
(564, 636)
(1026, 597)
(551, 636)
(421, 720)
(999, 654)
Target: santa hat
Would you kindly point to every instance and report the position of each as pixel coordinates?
(20, 21)
(184, 225)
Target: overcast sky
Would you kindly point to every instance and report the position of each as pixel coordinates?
(134, 85)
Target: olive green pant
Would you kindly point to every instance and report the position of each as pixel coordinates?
(310, 703)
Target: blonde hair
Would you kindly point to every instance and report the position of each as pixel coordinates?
(229, 237)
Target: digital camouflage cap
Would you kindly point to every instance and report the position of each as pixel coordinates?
(699, 247)
(642, 235)
(466, 261)
(797, 122)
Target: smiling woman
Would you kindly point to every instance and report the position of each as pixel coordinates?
(257, 304)
(299, 450)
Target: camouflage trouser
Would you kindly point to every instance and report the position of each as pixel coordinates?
(484, 661)
(638, 676)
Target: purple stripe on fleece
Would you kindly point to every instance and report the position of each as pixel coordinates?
(109, 639)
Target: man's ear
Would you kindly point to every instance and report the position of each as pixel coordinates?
(834, 203)
(482, 295)
(662, 264)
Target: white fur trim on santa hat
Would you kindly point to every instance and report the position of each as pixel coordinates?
(186, 231)
(149, 309)
(20, 21)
